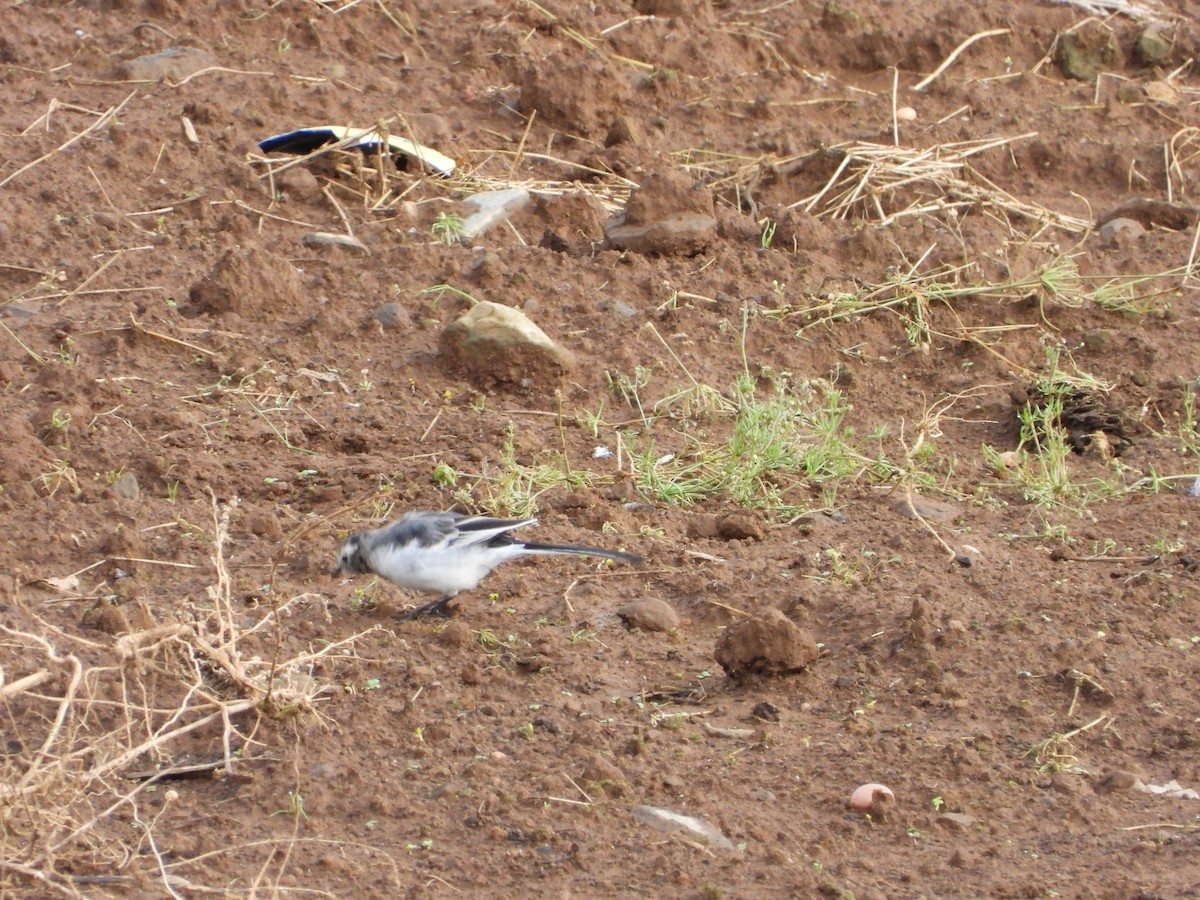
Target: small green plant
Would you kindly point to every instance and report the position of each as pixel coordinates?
(60, 424)
(440, 290)
(780, 445)
(514, 490)
(294, 808)
(768, 234)
(448, 229)
(61, 473)
(1056, 754)
(445, 475)
(592, 422)
(1189, 432)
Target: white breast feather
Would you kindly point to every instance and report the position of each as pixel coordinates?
(440, 569)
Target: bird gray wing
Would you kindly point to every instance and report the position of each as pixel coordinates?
(421, 529)
(486, 530)
(434, 529)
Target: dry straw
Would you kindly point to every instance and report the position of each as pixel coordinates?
(884, 183)
(92, 725)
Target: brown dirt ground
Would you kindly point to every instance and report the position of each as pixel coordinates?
(164, 318)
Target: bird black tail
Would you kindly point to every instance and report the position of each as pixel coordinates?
(565, 550)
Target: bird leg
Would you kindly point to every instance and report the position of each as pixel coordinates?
(436, 608)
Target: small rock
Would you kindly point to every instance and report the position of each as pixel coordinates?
(622, 131)
(764, 795)
(608, 777)
(915, 505)
(1100, 339)
(702, 525)
(956, 821)
(392, 315)
(1130, 92)
(740, 525)
(1150, 212)
(666, 215)
(332, 239)
(492, 208)
(498, 344)
(671, 822)
(649, 614)
(174, 62)
(766, 712)
(962, 859)
(673, 782)
(1154, 48)
(1119, 780)
(299, 183)
(771, 644)
(486, 268)
(1086, 52)
(1120, 232)
(126, 487)
(264, 524)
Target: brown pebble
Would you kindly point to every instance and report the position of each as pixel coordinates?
(649, 614)
(738, 526)
(956, 821)
(1118, 780)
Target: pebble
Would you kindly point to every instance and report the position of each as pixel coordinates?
(331, 239)
(493, 343)
(926, 508)
(956, 821)
(126, 487)
(492, 208)
(392, 315)
(672, 822)
(649, 614)
(1119, 780)
(174, 62)
(737, 526)
(1120, 232)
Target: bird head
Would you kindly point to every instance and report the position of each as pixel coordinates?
(350, 558)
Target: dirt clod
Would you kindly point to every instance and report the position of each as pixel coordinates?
(769, 644)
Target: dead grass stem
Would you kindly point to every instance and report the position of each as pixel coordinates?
(184, 685)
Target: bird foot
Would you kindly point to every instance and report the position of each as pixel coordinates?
(439, 607)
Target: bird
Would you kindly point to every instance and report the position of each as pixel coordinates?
(446, 553)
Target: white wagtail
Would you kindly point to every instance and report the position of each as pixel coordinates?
(445, 553)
